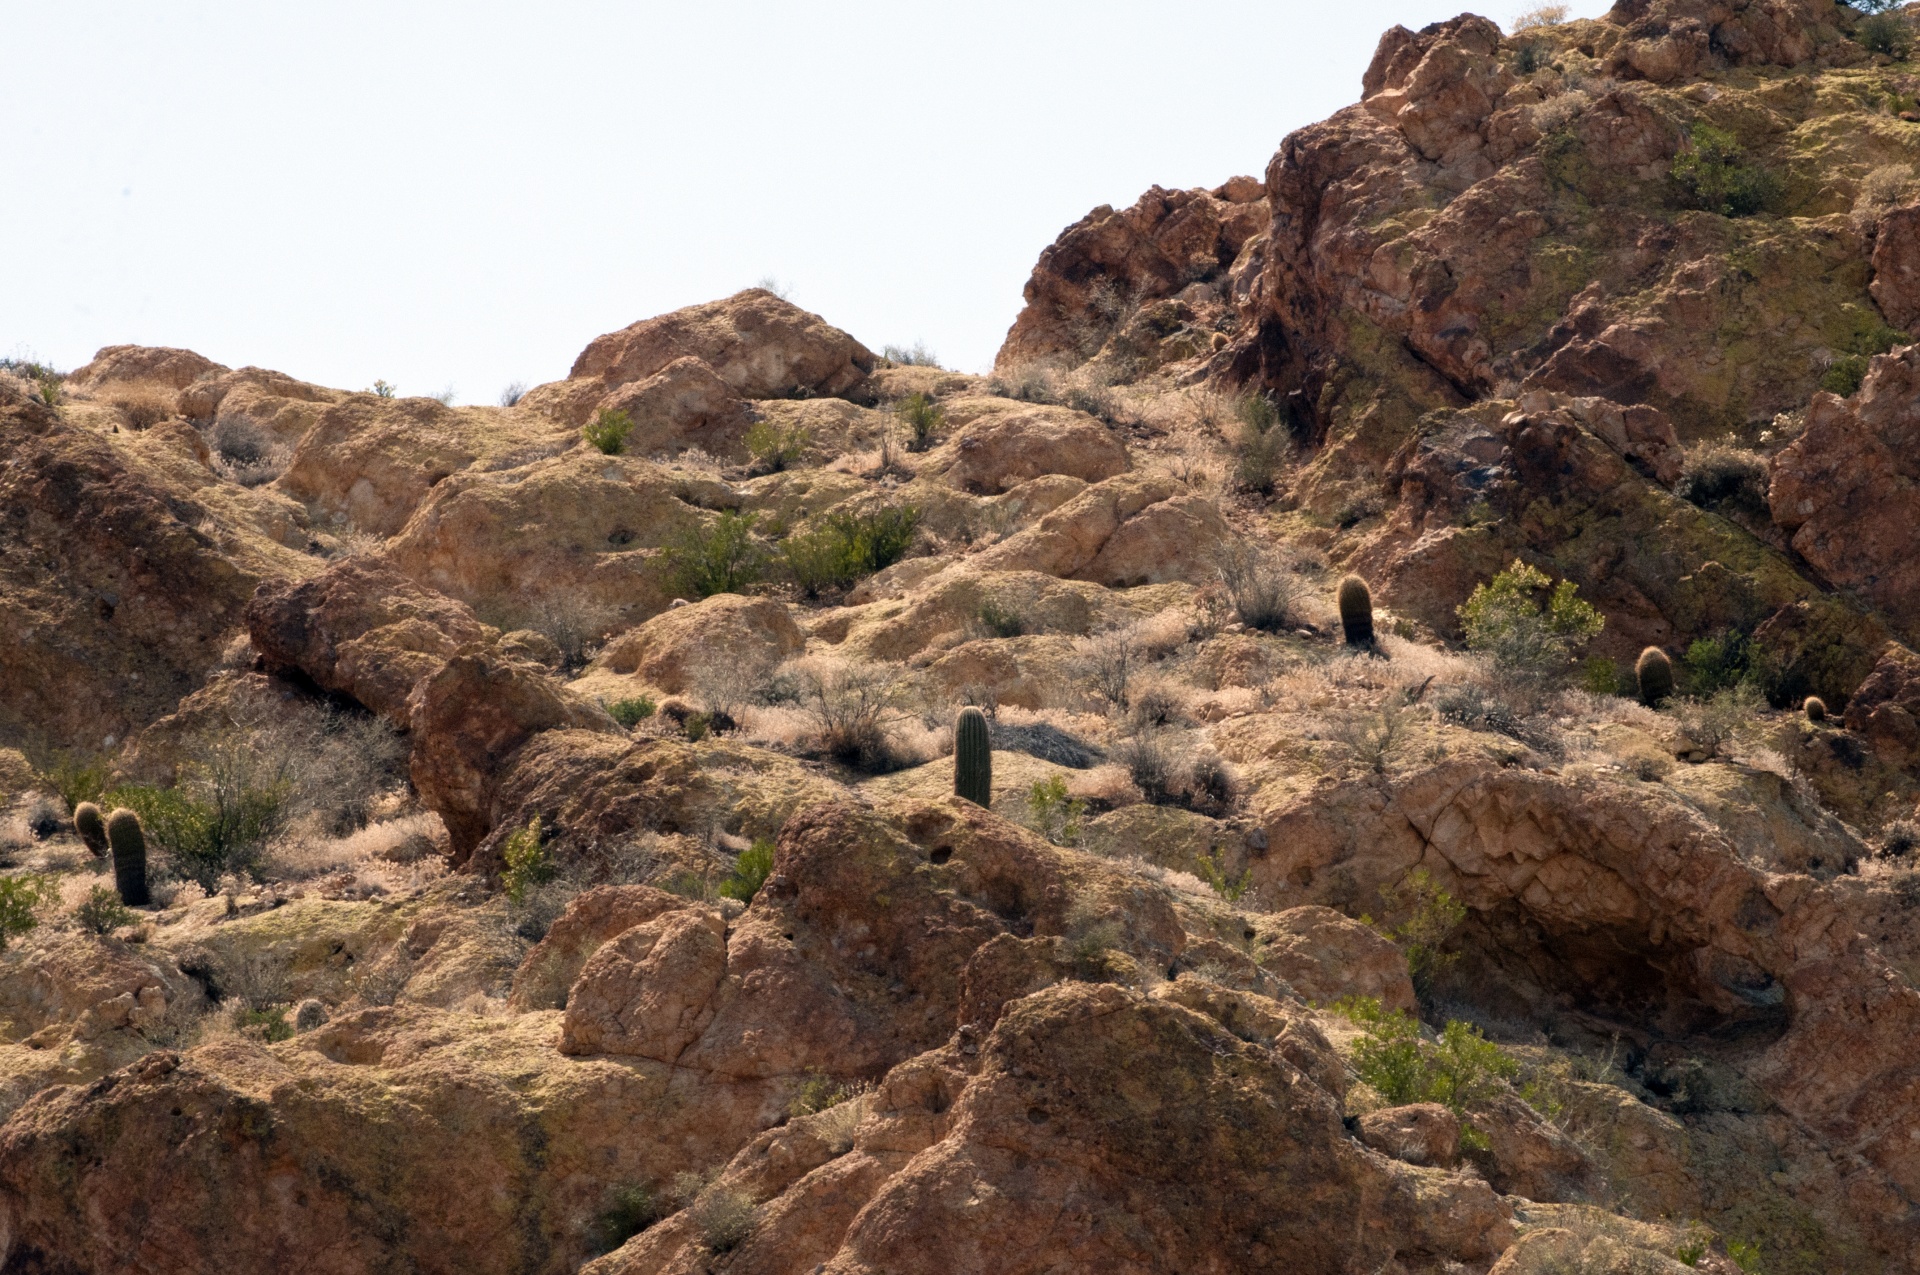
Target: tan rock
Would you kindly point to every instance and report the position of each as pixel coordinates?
(726, 636)
(362, 629)
(998, 450)
(1126, 531)
(1420, 1133)
(1325, 956)
(756, 343)
(133, 363)
(592, 918)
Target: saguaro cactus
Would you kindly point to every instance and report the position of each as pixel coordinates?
(1356, 611)
(1653, 671)
(92, 828)
(129, 845)
(972, 758)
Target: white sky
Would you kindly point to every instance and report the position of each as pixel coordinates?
(465, 194)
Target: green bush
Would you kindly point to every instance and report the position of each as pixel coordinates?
(722, 557)
(212, 823)
(1719, 663)
(272, 1022)
(608, 430)
(844, 546)
(383, 390)
(1000, 621)
(528, 864)
(773, 448)
(102, 912)
(1885, 33)
(750, 872)
(923, 418)
(77, 777)
(1713, 174)
(1720, 475)
(1844, 375)
(1214, 874)
(626, 1211)
(631, 712)
(1053, 814)
(1433, 915)
(1526, 637)
(915, 355)
(1460, 1068)
(21, 897)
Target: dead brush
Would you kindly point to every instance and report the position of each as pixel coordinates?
(142, 404)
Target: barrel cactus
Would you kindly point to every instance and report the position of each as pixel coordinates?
(1816, 709)
(92, 827)
(972, 758)
(1356, 611)
(129, 844)
(1653, 671)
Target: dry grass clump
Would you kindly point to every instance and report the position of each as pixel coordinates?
(247, 454)
(1539, 17)
(1884, 187)
(141, 404)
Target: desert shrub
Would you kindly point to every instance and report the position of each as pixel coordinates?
(923, 418)
(512, 394)
(721, 557)
(1265, 595)
(142, 405)
(44, 817)
(626, 1210)
(607, 432)
(821, 1092)
(1473, 707)
(1600, 675)
(1899, 839)
(1154, 706)
(915, 355)
(1047, 742)
(1107, 662)
(247, 454)
(849, 706)
(21, 897)
(381, 389)
(1719, 662)
(1053, 814)
(1261, 446)
(844, 546)
(527, 862)
(1713, 173)
(1885, 186)
(1460, 1068)
(1713, 722)
(1529, 639)
(774, 449)
(1375, 735)
(1885, 33)
(750, 872)
(724, 1216)
(266, 1022)
(102, 912)
(1232, 889)
(1211, 786)
(1151, 765)
(75, 776)
(632, 711)
(999, 620)
(1844, 375)
(1719, 474)
(1540, 16)
(1432, 916)
(216, 821)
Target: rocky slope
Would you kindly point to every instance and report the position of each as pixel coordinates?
(556, 860)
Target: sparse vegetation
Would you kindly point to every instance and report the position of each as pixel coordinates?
(915, 355)
(1530, 639)
(720, 557)
(1264, 594)
(849, 706)
(513, 393)
(1541, 15)
(76, 776)
(999, 620)
(1721, 476)
(101, 912)
(1262, 445)
(923, 418)
(527, 862)
(774, 448)
(382, 389)
(750, 872)
(1053, 813)
(608, 431)
(21, 898)
(1459, 1067)
(1714, 174)
(845, 546)
(624, 1213)
(1432, 917)
(632, 711)
(724, 1216)
(216, 822)
(1884, 32)
(1230, 888)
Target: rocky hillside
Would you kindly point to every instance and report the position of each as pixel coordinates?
(1439, 622)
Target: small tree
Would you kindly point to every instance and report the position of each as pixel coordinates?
(608, 430)
(1529, 639)
(722, 558)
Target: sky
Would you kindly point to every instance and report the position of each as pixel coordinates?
(462, 195)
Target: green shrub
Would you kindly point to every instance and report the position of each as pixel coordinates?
(608, 430)
(1713, 174)
(1053, 814)
(77, 777)
(1001, 621)
(1600, 675)
(923, 418)
(1844, 375)
(1460, 1068)
(1526, 637)
(213, 823)
(21, 897)
(722, 557)
(1720, 475)
(750, 872)
(1433, 915)
(1719, 662)
(820, 1092)
(915, 355)
(271, 1020)
(724, 1216)
(1885, 33)
(631, 712)
(624, 1213)
(773, 448)
(1214, 874)
(383, 390)
(102, 912)
(844, 546)
(528, 864)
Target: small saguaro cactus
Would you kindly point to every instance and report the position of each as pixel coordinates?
(972, 758)
(129, 845)
(1816, 709)
(1653, 672)
(91, 827)
(1356, 611)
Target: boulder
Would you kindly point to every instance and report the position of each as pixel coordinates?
(1132, 530)
(1848, 489)
(593, 917)
(758, 345)
(175, 369)
(725, 636)
(1325, 956)
(997, 451)
(1419, 1133)
(256, 401)
(1896, 266)
(362, 629)
(1886, 708)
